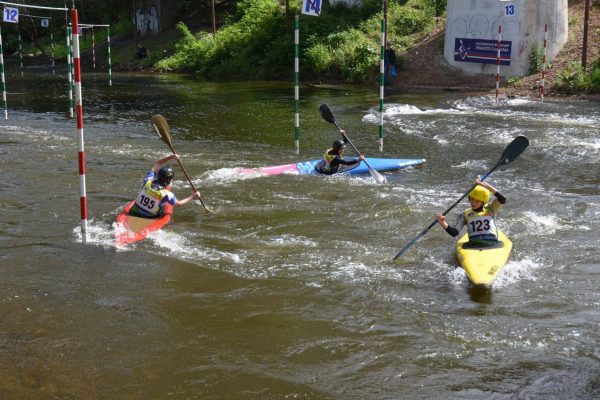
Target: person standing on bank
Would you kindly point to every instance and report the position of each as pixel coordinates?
(334, 157)
(155, 192)
(389, 58)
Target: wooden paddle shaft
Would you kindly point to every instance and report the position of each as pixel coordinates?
(187, 176)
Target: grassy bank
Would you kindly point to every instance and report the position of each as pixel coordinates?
(342, 44)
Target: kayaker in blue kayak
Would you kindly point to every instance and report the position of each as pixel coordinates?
(334, 157)
(480, 218)
(155, 193)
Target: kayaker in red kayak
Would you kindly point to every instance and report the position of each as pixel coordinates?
(334, 157)
(155, 193)
(480, 218)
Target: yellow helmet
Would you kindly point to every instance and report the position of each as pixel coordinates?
(480, 193)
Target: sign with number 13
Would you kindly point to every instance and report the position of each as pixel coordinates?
(510, 10)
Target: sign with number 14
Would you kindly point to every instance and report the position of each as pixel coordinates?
(11, 14)
(311, 7)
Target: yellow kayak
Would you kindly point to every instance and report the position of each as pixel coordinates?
(482, 264)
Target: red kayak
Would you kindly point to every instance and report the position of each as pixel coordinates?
(133, 229)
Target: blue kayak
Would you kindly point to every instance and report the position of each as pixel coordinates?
(308, 167)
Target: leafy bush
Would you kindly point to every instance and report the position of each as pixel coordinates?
(349, 55)
(572, 79)
(536, 59)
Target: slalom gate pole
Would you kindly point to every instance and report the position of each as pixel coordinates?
(297, 83)
(109, 61)
(52, 52)
(69, 70)
(93, 50)
(544, 63)
(2, 74)
(381, 83)
(79, 113)
(20, 48)
(498, 63)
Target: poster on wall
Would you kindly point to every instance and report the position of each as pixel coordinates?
(481, 51)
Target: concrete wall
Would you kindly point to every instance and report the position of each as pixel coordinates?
(479, 19)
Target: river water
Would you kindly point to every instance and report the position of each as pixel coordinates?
(287, 290)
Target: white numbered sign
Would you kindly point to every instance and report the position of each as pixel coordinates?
(45, 23)
(311, 7)
(510, 10)
(11, 14)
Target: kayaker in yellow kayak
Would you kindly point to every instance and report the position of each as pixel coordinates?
(154, 194)
(480, 218)
(334, 157)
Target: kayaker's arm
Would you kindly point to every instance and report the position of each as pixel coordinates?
(193, 196)
(452, 231)
(500, 197)
(159, 163)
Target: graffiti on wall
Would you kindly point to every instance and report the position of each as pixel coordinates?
(146, 20)
(479, 26)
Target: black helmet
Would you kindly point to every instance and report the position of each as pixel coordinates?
(338, 144)
(165, 175)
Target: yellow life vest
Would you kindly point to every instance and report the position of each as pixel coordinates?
(149, 198)
(326, 161)
(481, 225)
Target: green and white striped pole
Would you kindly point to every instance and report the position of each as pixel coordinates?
(109, 61)
(3, 81)
(297, 84)
(381, 84)
(70, 70)
(52, 52)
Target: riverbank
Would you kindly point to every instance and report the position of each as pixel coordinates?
(423, 66)
(426, 67)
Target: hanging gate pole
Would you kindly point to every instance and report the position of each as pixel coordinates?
(381, 83)
(544, 63)
(52, 52)
(109, 62)
(70, 70)
(498, 63)
(79, 113)
(2, 74)
(297, 84)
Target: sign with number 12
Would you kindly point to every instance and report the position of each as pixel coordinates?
(11, 14)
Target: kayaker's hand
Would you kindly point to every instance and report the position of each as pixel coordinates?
(196, 195)
(485, 185)
(441, 219)
(175, 157)
(361, 158)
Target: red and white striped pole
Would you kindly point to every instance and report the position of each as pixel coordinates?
(79, 114)
(498, 62)
(544, 62)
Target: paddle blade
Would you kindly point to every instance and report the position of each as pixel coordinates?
(380, 179)
(326, 113)
(162, 127)
(513, 150)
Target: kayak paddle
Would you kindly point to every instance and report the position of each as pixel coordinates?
(328, 116)
(512, 151)
(162, 129)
